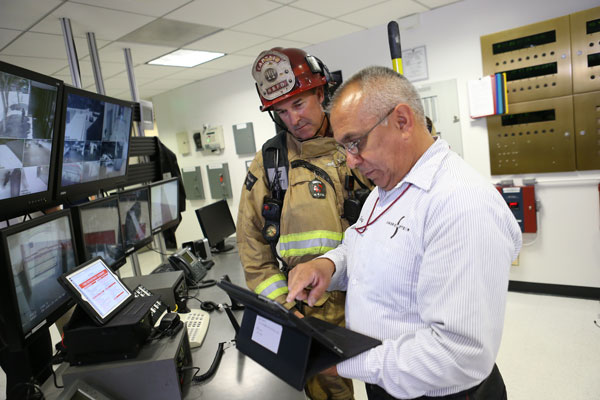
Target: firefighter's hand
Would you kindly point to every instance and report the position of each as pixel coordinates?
(315, 274)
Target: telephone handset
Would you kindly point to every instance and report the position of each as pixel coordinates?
(192, 268)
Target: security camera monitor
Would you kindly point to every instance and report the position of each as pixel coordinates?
(164, 204)
(98, 233)
(217, 225)
(34, 254)
(29, 105)
(95, 143)
(134, 211)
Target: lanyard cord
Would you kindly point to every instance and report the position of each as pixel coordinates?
(362, 229)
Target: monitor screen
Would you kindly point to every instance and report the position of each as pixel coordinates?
(164, 204)
(135, 218)
(37, 252)
(95, 143)
(28, 125)
(217, 224)
(97, 228)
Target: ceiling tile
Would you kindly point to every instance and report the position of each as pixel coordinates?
(334, 8)
(155, 8)
(383, 13)
(324, 31)
(230, 62)
(42, 65)
(227, 41)
(22, 14)
(197, 73)
(7, 35)
(282, 21)
(222, 13)
(147, 94)
(106, 24)
(140, 53)
(254, 51)
(169, 32)
(48, 46)
(437, 3)
(167, 84)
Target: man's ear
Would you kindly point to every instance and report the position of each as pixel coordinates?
(403, 118)
(320, 94)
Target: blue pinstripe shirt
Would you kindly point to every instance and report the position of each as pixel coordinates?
(429, 279)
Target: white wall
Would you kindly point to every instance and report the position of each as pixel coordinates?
(567, 248)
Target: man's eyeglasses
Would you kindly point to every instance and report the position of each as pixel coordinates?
(354, 147)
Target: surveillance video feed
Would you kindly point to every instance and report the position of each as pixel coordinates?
(38, 256)
(135, 216)
(101, 233)
(164, 203)
(27, 110)
(96, 140)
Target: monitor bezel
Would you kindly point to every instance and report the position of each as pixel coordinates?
(78, 228)
(169, 224)
(142, 243)
(13, 327)
(199, 210)
(78, 191)
(21, 205)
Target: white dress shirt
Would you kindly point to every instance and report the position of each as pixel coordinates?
(429, 279)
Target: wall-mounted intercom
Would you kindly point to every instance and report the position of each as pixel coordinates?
(212, 139)
(521, 201)
(183, 143)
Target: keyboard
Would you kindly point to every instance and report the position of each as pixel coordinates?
(197, 321)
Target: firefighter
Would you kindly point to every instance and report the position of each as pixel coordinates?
(301, 208)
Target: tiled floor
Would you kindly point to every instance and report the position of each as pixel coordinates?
(550, 348)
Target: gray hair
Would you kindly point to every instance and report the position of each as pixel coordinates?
(383, 89)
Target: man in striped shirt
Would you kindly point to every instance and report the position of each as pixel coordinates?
(426, 266)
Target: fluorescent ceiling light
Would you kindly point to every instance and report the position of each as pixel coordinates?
(186, 58)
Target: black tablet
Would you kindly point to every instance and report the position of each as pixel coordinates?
(98, 290)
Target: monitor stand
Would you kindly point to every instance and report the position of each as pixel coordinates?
(221, 247)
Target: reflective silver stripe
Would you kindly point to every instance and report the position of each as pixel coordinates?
(309, 243)
(273, 287)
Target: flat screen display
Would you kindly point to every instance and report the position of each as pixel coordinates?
(216, 223)
(97, 130)
(101, 232)
(27, 120)
(38, 256)
(135, 217)
(164, 203)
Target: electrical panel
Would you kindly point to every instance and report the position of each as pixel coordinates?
(536, 136)
(192, 182)
(585, 48)
(212, 139)
(218, 181)
(587, 130)
(536, 59)
(521, 201)
(243, 135)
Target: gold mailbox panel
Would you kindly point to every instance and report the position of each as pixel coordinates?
(536, 136)
(587, 130)
(585, 49)
(536, 59)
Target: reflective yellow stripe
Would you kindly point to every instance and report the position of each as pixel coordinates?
(266, 283)
(275, 293)
(293, 237)
(302, 252)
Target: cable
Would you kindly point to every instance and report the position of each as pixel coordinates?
(208, 306)
(213, 367)
(149, 247)
(203, 284)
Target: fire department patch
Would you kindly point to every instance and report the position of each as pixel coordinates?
(250, 181)
(317, 189)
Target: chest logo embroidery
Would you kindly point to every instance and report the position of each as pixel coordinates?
(398, 226)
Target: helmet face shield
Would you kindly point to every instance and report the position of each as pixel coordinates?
(282, 73)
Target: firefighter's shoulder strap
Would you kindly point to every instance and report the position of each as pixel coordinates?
(275, 161)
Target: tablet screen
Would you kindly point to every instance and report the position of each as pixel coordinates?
(99, 287)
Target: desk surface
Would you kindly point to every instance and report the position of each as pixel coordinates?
(238, 376)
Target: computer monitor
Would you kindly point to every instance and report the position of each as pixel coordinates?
(29, 105)
(97, 226)
(95, 134)
(34, 254)
(164, 204)
(134, 210)
(217, 224)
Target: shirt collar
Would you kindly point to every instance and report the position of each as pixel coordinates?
(424, 170)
